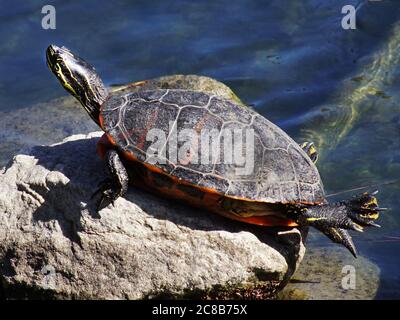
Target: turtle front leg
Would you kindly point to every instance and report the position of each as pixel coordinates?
(116, 184)
(309, 148)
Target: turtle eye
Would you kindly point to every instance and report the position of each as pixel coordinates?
(57, 68)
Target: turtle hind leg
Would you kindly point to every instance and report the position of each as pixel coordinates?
(354, 214)
(309, 148)
(116, 184)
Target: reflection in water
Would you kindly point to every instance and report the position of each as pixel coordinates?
(331, 123)
(359, 137)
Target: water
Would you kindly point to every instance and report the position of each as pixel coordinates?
(291, 59)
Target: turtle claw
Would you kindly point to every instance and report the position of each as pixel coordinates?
(340, 236)
(363, 210)
(109, 193)
(356, 227)
(345, 239)
(373, 224)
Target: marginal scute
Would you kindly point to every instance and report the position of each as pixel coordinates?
(306, 172)
(307, 193)
(195, 193)
(319, 194)
(270, 193)
(162, 181)
(216, 183)
(137, 153)
(243, 189)
(187, 175)
(291, 191)
(160, 163)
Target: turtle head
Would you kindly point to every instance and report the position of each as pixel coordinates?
(79, 78)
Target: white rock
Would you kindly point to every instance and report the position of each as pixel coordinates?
(53, 243)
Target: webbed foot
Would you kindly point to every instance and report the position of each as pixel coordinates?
(335, 219)
(363, 210)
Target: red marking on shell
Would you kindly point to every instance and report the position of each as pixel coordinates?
(149, 125)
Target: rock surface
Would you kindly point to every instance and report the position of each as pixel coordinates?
(53, 244)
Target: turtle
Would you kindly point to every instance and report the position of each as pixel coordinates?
(247, 170)
(196, 83)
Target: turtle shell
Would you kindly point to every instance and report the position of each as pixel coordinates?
(211, 143)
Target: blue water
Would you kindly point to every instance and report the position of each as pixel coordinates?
(290, 59)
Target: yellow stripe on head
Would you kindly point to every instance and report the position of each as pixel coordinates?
(79, 78)
(315, 219)
(64, 81)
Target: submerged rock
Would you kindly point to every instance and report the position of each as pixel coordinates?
(53, 243)
(331, 273)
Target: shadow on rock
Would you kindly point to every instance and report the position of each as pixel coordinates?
(66, 199)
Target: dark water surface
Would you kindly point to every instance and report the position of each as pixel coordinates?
(289, 58)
